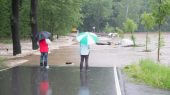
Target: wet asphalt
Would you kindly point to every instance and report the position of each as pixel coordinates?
(34, 80)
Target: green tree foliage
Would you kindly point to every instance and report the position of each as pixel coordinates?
(129, 9)
(25, 28)
(160, 10)
(130, 26)
(148, 21)
(96, 13)
(56, 16)
(59, 16)
(5, 12)
(120, 32)
(108, 29)
(133, 9)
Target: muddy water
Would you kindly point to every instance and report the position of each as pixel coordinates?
(109, 55)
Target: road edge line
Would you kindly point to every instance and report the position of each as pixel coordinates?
(118, 90)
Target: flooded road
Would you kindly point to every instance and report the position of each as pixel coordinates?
(57, 81)
(109, 55)
(63, 79)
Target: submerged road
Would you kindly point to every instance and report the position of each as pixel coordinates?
(57, 81)
(63, 79)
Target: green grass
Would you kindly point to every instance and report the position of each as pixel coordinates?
(150, 72)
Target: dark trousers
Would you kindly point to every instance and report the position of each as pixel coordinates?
(84, 57)
(43, 58)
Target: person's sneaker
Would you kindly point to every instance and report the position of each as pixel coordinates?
(47, 67)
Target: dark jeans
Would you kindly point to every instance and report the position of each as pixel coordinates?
(84, 57)
(43, 58)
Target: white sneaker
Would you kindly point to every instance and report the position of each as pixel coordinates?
(47, 67)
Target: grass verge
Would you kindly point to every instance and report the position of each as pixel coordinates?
(150, 72)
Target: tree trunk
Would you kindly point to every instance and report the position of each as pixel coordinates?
(34, 26)
(127, 10)
(159, 42)
(15, 27)
(133, 39)
(147, 40)
(159, 35)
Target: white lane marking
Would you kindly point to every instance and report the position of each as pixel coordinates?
(117, 82)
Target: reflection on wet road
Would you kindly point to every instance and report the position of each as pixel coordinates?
(44, 87)
(57, 81)
(84, 89)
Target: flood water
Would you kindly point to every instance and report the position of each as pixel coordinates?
(109, 55)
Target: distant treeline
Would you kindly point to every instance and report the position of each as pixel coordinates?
(60, 16)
